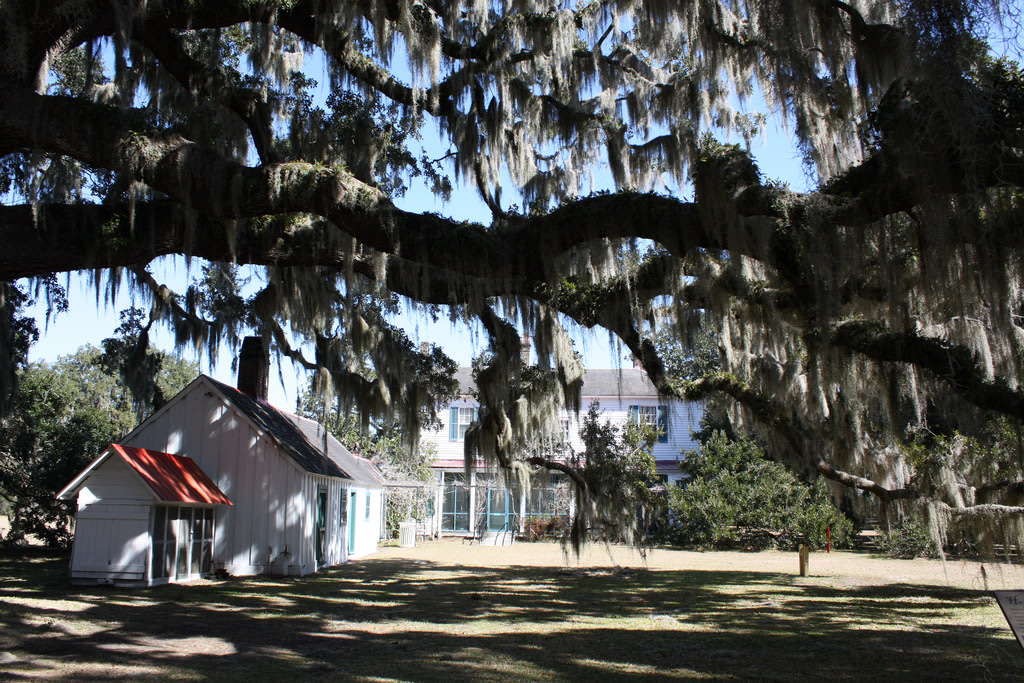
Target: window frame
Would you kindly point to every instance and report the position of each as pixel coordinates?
(640, 415)
(459, 420)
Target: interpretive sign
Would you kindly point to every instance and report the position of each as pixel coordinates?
(1012, 604)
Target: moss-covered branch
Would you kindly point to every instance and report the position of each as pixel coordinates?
(957, 366)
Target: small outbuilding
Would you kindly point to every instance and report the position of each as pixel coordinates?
(220, 480)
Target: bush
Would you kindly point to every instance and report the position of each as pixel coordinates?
(737, 496)
(907, 540)
(547, 526)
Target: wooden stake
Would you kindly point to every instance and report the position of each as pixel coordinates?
(804, 557)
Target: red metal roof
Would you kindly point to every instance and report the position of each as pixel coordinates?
(173, 478)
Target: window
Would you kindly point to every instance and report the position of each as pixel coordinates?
(367, 505)
(546, 491)
(565, 429)
(460, 421)
(651, 416)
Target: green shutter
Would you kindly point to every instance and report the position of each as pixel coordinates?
(663, 424)
(453, 425)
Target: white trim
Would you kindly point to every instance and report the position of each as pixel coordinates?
(77, 482)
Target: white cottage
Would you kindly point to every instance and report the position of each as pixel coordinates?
(220, 480)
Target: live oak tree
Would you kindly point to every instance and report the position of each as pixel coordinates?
(853, 322)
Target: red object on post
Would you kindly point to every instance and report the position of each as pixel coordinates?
(828, 539)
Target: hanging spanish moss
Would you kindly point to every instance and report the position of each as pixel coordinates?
(869, 331)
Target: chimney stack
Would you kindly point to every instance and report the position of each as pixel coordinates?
(524, 348)
(254, 367)
(637, 365)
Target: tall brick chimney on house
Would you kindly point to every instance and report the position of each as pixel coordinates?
(254, 367)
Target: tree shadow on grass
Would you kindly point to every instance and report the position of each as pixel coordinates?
(419, 620)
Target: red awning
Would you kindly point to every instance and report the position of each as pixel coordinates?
(173, 478)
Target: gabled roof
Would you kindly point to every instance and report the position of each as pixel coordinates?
(302, 440)
(171, 478)
(356, 467)
(618, 382)
(601, 382)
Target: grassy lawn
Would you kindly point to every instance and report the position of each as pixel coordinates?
(445, 611)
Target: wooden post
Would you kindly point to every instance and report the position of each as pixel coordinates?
(804, 556)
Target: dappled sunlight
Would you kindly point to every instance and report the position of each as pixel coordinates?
(172, 647)
(397, 618)
(44, 604)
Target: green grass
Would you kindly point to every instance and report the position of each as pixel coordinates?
(400, 618)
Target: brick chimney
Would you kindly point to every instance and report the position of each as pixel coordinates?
(254, 367)
(525, 343)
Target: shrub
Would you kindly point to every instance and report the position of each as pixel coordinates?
(547, 526)
(907, 540)
(735, 495)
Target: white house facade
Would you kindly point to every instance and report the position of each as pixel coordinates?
(282, 496)
(481, 504)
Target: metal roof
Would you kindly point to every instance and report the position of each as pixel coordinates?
(302, 440)
(358, 468)
(597, 383)
(171, 478)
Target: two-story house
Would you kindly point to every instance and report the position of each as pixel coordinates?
(481, 502)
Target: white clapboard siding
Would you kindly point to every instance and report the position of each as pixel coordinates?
(114, 480)
(265, 487)
(446, 448)
(683, 419)
(111, 542)
(368, 527)
(271, 525)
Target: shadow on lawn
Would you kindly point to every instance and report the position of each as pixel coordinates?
(424, 621)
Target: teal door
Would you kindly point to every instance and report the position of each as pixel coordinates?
(351, 520)
(321, 526)
(501, 509)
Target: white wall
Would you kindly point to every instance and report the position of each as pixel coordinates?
(271, 528)
(682, 419)
(368, 526)
(269, 509)
(446, 448)
(112, 525)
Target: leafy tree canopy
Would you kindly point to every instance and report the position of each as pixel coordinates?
(64, 415)
(849, 319)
